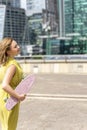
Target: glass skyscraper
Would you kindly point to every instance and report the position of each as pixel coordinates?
(73, 24)
(76, 24)
(76, 16)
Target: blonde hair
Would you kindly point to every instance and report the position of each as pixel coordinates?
(4, 46)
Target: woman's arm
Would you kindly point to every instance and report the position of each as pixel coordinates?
(6, 83)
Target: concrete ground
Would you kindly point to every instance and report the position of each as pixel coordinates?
(55, 102)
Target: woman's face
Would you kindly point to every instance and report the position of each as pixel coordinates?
(14, 49)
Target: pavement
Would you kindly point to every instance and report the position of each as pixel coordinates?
(55, 102)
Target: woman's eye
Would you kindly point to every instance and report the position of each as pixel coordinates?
(16, 46)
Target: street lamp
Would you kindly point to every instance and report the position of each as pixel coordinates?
(48, 45)
(46, 27)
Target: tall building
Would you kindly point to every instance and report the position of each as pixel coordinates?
(76, 24)
(12, 21)
(51, 14)
(72, 16)
(76, 16)
(73, 23)
(50, 22)
(48, 8)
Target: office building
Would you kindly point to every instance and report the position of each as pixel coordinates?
(51, 14)
(48, 9)
(42, 15)
(76, 16)
(50, 20)
(12, 22)
(72, 23)
(76, 24)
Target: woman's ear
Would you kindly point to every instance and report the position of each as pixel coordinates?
(8, 52)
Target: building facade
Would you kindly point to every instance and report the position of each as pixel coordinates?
(2, 19)
(76, 16)
(12, 21)
(48, 8)
(76, 24)
(50, 21)
(42, 15)
(72, 26)
(50, 14)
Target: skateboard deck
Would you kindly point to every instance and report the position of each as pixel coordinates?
(22, 88)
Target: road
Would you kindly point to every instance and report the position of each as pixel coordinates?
(55, 102)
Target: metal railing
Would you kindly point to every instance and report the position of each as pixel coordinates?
(54, 57)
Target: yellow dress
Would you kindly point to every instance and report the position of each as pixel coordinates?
(8, 119)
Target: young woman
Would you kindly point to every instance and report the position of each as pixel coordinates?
(10, 76)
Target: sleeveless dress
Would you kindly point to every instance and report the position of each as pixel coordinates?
(9, 119)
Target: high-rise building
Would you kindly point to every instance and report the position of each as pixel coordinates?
(76, 16)
(72, 23)
(76, 24)
(72, 16)
(46, 7)
(50, 22)
(51, 14)
(12, 22)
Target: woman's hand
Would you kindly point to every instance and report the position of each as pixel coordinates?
(6, 84)
(21, 97)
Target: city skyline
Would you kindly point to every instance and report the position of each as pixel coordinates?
(63, 17)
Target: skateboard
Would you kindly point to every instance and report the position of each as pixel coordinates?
(22, 88)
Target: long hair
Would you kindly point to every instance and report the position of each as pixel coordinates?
(4, 46)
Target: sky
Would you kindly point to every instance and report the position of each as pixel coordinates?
(23, 4)
(36, 9)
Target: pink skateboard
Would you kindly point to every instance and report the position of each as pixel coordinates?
(23, 88)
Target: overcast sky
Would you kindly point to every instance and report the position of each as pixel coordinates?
(23, 4)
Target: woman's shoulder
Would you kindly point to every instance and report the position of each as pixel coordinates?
(11, 61)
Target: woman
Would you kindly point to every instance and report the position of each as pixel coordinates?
(10, 76)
